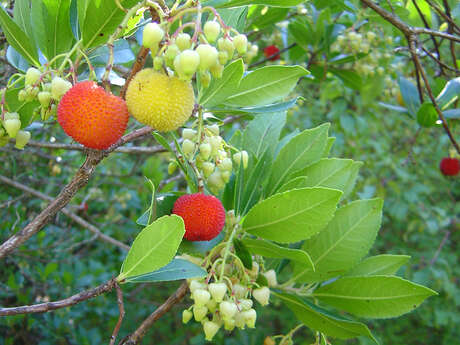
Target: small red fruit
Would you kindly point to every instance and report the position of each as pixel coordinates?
(203, 215)
(449, 166)
(91, 116)
(270, 51)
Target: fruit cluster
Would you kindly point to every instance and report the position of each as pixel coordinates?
(228, 301)
(205, 53)
(211, 155)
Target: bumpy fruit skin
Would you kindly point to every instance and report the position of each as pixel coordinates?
(91, 116)
(450, 166)
(162, 102)
(272, 50)
(203, 215)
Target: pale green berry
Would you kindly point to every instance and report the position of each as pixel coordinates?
(210, 329)
(245, 304)
(229, 324)
(211, 31)
(44, 97)
(194, 285)
(153, 34)
(22, 138)
(218, 291)
(183, 41)
(214, 129)
(186, 316)
(199, 312)
(239, 291)
(12, 127)
(226, 176)
(205, 150)
(262, 295)
(188, 133)
(208, 169)
(250, 317)
(32, 76)
(271, 278)
(205, 78)
(158, 63)
(223, 57)
(217, 71)
(226, 165)
(211, 305)
(201, 297)
(208, 56)
(189, 61)
(227, 309)
(59, 87)
(224, 44)
(241, 44)
(188, 147)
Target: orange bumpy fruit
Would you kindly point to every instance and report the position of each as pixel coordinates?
(91, 116)
(203, 215)
(160, 101)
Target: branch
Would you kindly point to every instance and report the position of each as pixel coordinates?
(121, 308)
(77, 219)
(63, 303)
(80, 179)
(72, 147)
(274, 55)
(139, 333)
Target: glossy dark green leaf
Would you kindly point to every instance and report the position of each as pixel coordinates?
(427, 115)
(410, 95)
(243, 253)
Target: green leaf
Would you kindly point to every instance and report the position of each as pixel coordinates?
(350, 78)
(292, 216)
(322, 320)
(101, 19)
(449, 94)
(344, 242)
(384, 264)
(122, 53)
(410, 95)
(327, 172)
(51, 23)
(272, 250)
(427, 115)
(177, 269)
(304, 149)
(25, 109)
(16, 59)
(352, 179)
(154, 247)
(18, 38)
(452, 114)
(236, 18)
(220, 89)
(343, 58)
(82, 6)
(373, 296)
(270, 108)
(263, 133)
(237, 3)
(21, 15)
(302, 32)
(243, 253)
(264, 86)
(327, 149)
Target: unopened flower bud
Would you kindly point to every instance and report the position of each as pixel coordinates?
(217, 70)
(189, 61)
(245, 304)
(227, 309)
(223, 57)
(153, 34)
(11, 116)
(205, 78)
(188, 133)
(172, 166)
(239, 291)
(22, 95)
(208, 169)
(183, 41)
(59, 87)
(241, 44)
(205, 151)
(215, 181)
(22, 138)
(210, 329)
(32, 76)
(226, 164)
(186, 316)
(211, 31)
(250, 317)
(201, 297)
(44, 97)
(216, 143)
(214, 129)
(240, 322)
(208, 56)
(12, 127)
(188, 146)
(229, 324)
(218, 291)
(271, 278)
(194, 285)
(226, 176)
(262, 295)
(158, 63)
(224, 44)
(254, 272)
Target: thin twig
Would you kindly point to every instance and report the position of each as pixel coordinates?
(67, 302)
(121, 308)
(80, 179)
(77, 219)
(139, 333)
(261, 62)
(441, 245)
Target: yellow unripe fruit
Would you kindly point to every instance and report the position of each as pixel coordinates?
(157, 100)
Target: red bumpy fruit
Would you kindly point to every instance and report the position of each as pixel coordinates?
(203, 215)
(91, 116)
(271, 50)
(450, 166)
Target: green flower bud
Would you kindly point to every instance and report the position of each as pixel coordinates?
(224, 44)
(153, 34)
(241, 44)
(216, 144)
(217, 71)
(32, 76)
(205, 78)
(205, 151)
(188, 133)
(228, 309)
(22, 138)
(218, 291)
(223, 57)
(199, 312)
(239, 291)
(183, 41)
(158, 63)
(208, 169)
(12, 127)
(44, 97)
(208, 56)
(214, 129)
(172, 166)
(194, 284)
(186, 316)
(211, 305)
(189, 61)
(226, 176)
(229, 324)
(22, 95)
(215, 181)
(201, 297)
(188, 147)
(226, 165)
(171, 54)
(11, 116)
(262, 295)
(211, 31)
(250, 317)
(271, 278)
(210, 329)
(59, 87)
